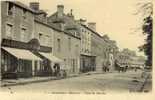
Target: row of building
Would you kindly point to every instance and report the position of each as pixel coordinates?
(33, 42)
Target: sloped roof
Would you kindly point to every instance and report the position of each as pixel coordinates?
(19, 4)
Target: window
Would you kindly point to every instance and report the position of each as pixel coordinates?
(83, 30)
(77, 49)
(24, 35)
(75, 34)
(24, 13)
(69, 44)
(47, 40)
(41, 38)
(10, 9)
(44, 39)
(9, 31)
(59, 45)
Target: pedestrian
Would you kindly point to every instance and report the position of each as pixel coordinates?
(55, 69)
(135, 69)
(58, 69)
(103, 67)
(108, 64)
(126, 68)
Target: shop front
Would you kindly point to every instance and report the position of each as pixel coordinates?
(22, 60)
(55, 64)
(17, 63)
(87, 63)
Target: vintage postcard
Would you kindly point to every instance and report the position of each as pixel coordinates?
(76, 47)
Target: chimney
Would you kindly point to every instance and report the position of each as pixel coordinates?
(82, 21)
(71, 14)
(92, 25)
(60, 10)
(34, 5)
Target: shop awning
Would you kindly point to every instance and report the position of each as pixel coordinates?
(51, 57)
(21, 53)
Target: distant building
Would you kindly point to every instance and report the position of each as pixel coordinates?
(105, 51)
(129, 58)
(98, 48)
(87, 61)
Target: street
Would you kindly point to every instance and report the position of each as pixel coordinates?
(101, 83)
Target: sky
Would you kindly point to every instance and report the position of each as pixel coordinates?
(113, 17)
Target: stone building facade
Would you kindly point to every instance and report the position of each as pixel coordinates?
(66, 43)
(67, 48)
(68, 23)
(105, 51)
(129, 58)
(23, 38)
(98, 47)
(25, 30)
(57, 39)
(17, 30)
(87, 61)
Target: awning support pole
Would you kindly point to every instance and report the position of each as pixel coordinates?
(33, 67)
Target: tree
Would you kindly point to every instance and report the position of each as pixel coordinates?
(147, 9)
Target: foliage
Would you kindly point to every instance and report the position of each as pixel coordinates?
(147, 30)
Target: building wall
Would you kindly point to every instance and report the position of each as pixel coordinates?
(17, 21)
(67, 53)
(22, 28)
(85, 41)
(44, 34)
(99, 49)
(129, 58)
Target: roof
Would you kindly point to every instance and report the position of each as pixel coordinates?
(55, 28)
(92, 31)
(19, 4)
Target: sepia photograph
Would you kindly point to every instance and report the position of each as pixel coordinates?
(76, 46)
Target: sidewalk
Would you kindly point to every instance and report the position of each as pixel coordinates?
(142, 83)
(23, 81)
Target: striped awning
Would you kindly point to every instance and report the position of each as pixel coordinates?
(21, 53)
(50, 57)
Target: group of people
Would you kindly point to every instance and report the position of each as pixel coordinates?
(56, 69)
(120, 67)
(106, 66)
